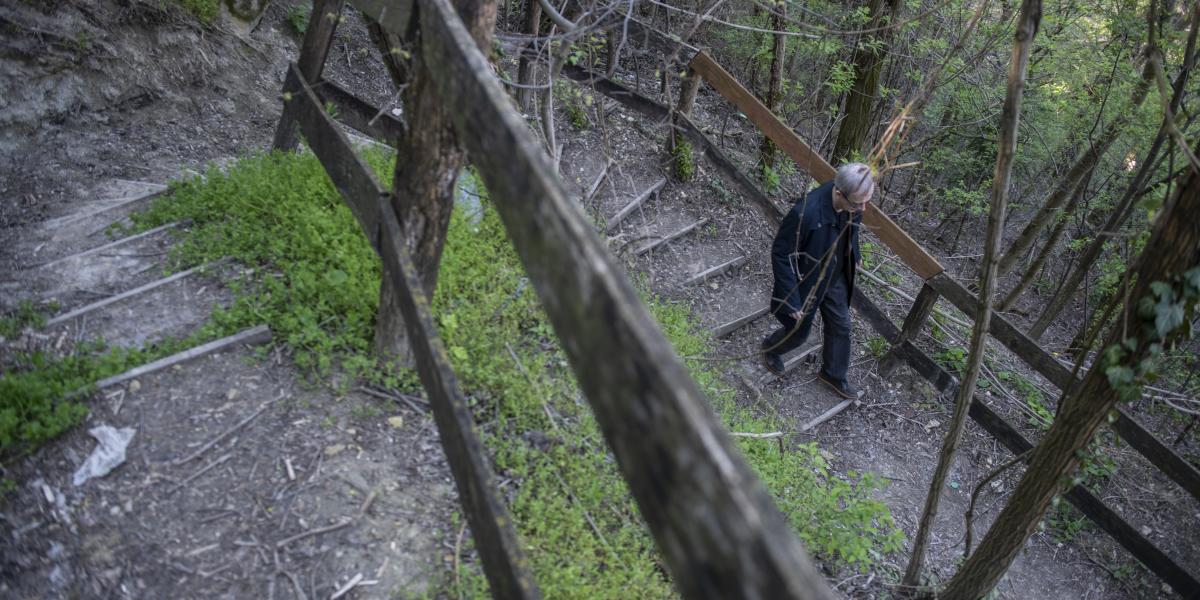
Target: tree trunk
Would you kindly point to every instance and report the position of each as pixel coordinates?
(869, 53)
(1048, 249)
(1027, 26)
(427, 167)
(526, 65)
(774, 95)
(1045, 215)
(1174, 248)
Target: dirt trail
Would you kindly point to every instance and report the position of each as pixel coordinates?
(243, 481)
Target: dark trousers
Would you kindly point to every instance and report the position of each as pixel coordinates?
(835, 312)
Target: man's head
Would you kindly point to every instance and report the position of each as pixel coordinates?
(853, 187)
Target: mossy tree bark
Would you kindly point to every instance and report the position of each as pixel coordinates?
(869, 53)
(774, 95)
(427, 168)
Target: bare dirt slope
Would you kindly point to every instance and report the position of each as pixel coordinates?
(243, 481)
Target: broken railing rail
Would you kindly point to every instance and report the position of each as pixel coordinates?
(504, 562)
(719, 532)
(939, 282)
(927, 267)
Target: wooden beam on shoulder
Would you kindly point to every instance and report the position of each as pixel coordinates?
(719, 532)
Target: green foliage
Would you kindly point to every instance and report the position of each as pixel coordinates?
(877, 346)
(770, 179)
(297, 17)
(682, 162)
(204, 10)
(954, 358)
(1033, 397)
(26, 315)
(318, 291)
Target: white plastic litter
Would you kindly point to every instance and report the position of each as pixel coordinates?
(107, 456)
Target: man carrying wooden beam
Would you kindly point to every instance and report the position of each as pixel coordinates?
(814, 258)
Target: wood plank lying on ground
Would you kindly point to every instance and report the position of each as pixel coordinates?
(108, 246)
(633, 205)
(659, 112)
(131, 293)
(1095, 509)
(727, 328)
(827, 415)
(671, 237)
(504, 563)
(155, 191)
(591, 192)
(259, 334)
(358, 114)
(1179, 469)
(718, 530)
(715, 270)
(812, 163)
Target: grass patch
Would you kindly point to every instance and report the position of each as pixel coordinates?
(317, 285)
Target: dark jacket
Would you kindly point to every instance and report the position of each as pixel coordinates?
(807, 233)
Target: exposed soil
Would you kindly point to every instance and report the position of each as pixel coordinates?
(99, 93)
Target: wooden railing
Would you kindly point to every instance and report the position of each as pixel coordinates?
(720, 534)
(717, 528)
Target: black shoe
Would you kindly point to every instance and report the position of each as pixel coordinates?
(771, 340)
(774, 363)
(845, 390)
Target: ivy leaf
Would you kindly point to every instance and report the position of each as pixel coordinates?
(1168, 318)
(336, 277)
(1119, 376)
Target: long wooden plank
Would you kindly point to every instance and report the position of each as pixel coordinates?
(504, 562)
(718, 530)
(762, 117)
(715, 270)
(727, 328)
(350, 174)
(141, 289)
(260, 334)
(634, 204)
(670, 237)
(360, 115)
(395, 16)
(1095, 509)
(1159, 454)
(875, 220)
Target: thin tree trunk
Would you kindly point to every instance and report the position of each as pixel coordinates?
(869, 54)
(1174, 248)
(1048, 249)
(1062, 192)
(427, 167)
(526, 66)
(774, 96)
(1027, 26)
(1118, 217)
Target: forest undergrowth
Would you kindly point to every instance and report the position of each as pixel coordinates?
(315, 282)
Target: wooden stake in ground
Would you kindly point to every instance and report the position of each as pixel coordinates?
(1027, 26)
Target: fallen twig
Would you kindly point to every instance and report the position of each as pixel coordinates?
(223, 435)
(202, 471)
(312, 532)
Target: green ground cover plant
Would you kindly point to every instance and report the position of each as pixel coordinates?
(316, 284)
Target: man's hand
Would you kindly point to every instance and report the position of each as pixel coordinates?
(797, 315)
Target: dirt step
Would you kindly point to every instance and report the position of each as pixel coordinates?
(172, 306)
(98, 272)
(241, 479)
(110, 202)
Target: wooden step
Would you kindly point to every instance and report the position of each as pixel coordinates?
(729, 327)
(704, 275)
(633, 205)
(672, 236)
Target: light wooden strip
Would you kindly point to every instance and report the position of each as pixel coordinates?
(711, 271)
(671, 237)
(129, 294)
(260, 334)
(634, 204)
(723, 330)
(108, 246)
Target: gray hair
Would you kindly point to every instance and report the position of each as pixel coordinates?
(853, 177)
